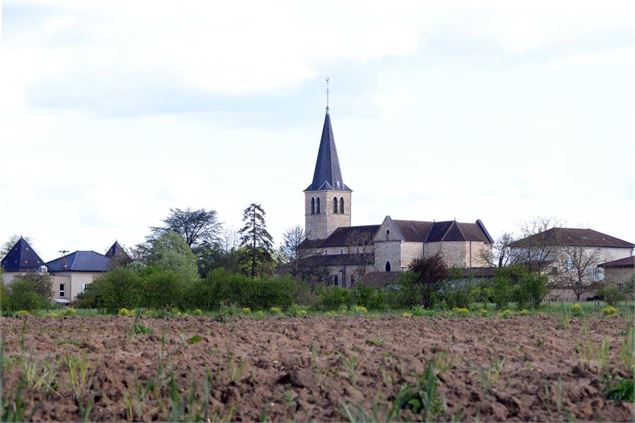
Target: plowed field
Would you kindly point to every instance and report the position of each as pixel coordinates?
(315, 368)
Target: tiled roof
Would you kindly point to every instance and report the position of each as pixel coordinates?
(345, 236)
(21, 258)
(80, 261)
(572, 237)
(327, 174)
(623, 262)
(418, 231)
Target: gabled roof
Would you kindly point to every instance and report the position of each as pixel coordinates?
(418, 231)
(80, 261)
(572, 237)
(345, 236)
(21, 258)
(327, 174)
(116, 250)
(623, 262)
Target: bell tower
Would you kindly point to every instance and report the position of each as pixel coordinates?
(327, 201)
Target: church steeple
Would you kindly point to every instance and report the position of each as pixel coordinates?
(327, 174)
(327, 201)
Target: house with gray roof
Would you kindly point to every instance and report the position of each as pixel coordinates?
(350, 253)
(71, 273)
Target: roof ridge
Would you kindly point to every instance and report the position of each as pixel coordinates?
(452, 222)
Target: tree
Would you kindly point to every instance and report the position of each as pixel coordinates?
(425, 277)
(197, 226)
(501, 254)
(577, 267)
(42, 284)
(533, 250)
(291, 253)
(171, 252)
(255, 238)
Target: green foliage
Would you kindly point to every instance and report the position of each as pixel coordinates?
(426, 276)
(517, 284)
(259, 294)
(139, 329)
(163, 289)
(42, 284)
(609, 311)
(195, 339)
(611, 295)
(423, 398)
(121, 287)
(170, 252)
(4, 295)
(23, 295)
(255, 241)
(620, 389)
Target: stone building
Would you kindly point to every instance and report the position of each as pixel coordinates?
(349, 253)
(621, 273)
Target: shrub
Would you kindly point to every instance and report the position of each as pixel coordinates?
(611, 295)
(506, 314)
(576, 309)
(162, 289)
(407, 314)
(609, 310)
(197, 312)
(22, 313)
(359, 310)
(260, 293)
(69, 312)
(121, 287)
(334, 297)
(523, 312)
(246, 310)
(460, 311)
(275, 310)
(23, 295)
(42, 284)
(297, 311)
(124, 312)
(517, 284)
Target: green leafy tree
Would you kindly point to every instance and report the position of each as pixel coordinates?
(198, 227)
(121, 287)
(42, 283)
(255, 239)
(23, 295)
(170, 252)
(163, 289)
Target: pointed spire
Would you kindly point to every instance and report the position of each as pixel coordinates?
(327, 174)
(21, 258)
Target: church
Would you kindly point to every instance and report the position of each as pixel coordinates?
(375, 253)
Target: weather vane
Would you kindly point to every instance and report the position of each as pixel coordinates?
(327, 93)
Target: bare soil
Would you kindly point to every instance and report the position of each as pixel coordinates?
(530, 368)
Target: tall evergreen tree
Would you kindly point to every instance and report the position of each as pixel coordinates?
(255, 238)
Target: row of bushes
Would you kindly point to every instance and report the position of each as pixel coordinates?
(31, 291)
(155, 288)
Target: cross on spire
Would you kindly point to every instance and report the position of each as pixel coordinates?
(327, 93)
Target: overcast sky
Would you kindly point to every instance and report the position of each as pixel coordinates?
(113, 112)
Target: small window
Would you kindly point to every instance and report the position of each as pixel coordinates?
(336, 280)
(388, 267)
(62, 290)
(387, 234)
(335, 205)
(317, 205)
(341, 251)
(341, 204)
(312, 205)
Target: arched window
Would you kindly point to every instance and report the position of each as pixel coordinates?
(387, 266)
(335, 205)
(387, 234)
(312, 205)
(317, 205)
(341, 204)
